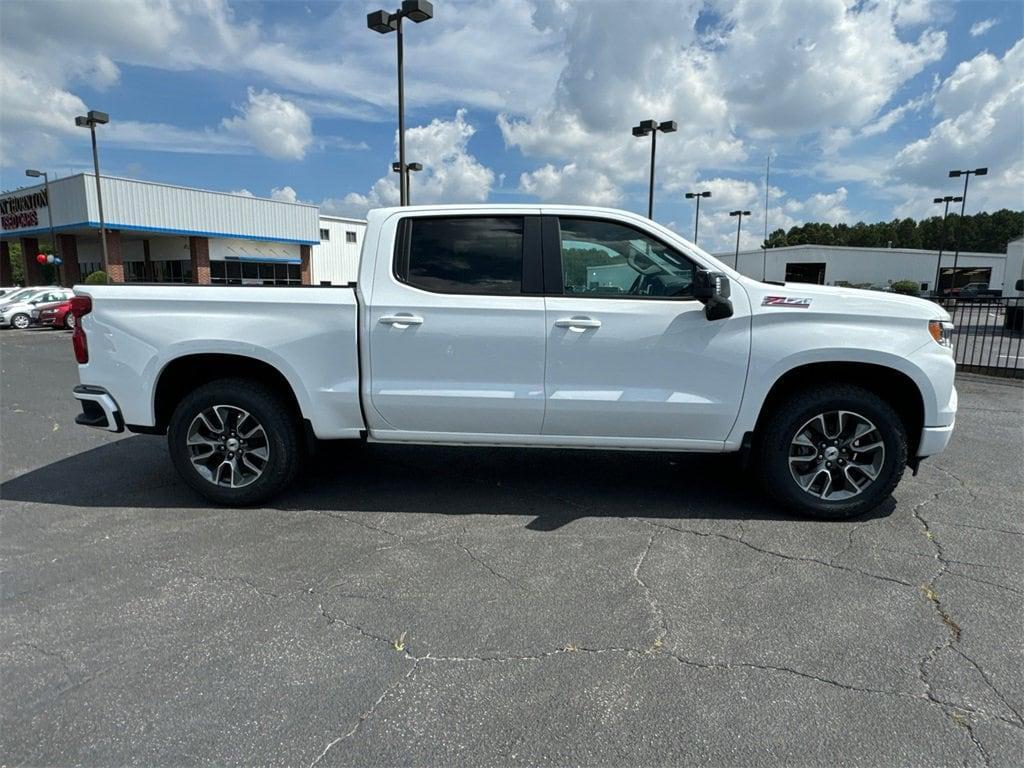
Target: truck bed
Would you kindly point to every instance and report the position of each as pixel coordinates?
(307, 333)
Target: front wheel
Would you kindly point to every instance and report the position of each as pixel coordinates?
(69, 321)
(833, 452)
(235, 441)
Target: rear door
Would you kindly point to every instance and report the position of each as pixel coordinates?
(456, 327)
(630, 352)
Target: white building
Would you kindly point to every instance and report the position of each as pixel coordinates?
(336, 257)
(869, 267)
(158, 233)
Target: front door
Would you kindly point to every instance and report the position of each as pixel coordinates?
(456, 341)
(630, 351)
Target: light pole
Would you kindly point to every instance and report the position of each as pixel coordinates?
(90, 121)
(963, 205)
(652, 127)
(384, 22)
(696, 218)
(739, 222)
(942, 237)
(49, 211)
(397, 168)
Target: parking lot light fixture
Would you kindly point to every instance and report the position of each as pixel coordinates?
(652, 127)
(397, 168)
(942, 237)
(32, 173)
(963, 205)
(739, 221)
(90, 120)
(696, 219)
(383, 22)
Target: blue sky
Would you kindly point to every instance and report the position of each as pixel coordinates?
(863, 105)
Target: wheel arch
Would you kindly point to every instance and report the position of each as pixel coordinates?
(893, 385)
(186, 373)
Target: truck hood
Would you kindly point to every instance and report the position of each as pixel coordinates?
(848, 301)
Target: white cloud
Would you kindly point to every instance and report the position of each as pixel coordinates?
(450, 173)
(803, 65)
(980, 108)
(285, 194)
(570, 184)
(979, 28)
(275, 126)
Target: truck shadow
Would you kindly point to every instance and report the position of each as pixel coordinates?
(554, 487)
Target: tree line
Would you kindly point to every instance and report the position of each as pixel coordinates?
(981, 232)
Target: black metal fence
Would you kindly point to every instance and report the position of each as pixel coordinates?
(989, 335)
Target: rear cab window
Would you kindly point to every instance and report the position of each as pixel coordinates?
(475, 255)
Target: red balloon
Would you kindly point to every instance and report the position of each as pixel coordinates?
(41, 258)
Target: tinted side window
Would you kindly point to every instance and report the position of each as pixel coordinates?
(605, 258)
(472, 255)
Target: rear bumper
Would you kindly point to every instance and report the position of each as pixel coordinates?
(98, 409)
(934, 440)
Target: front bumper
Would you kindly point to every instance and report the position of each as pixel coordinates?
(98, 409)
(934, 440)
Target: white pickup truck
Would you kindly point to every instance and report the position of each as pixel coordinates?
(522, 325)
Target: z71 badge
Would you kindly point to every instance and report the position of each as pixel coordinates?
(786, 301)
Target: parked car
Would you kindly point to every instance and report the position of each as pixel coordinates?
(16, 311)
(974, 291)
(7, 290)
(55, 313)
(482, 325)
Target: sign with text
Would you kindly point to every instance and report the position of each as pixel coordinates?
(22, 211)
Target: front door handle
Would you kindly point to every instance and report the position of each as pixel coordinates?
(577, 324)
(401, 322)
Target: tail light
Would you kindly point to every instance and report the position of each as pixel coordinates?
(80, 307)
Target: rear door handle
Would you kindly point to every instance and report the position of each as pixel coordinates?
(577, 324)
(401, 322)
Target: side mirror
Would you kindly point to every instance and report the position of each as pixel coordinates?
(713, 289)
(1020, 285)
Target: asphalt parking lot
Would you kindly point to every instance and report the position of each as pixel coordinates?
(429, 606)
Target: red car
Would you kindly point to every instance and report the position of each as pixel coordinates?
(55, 313)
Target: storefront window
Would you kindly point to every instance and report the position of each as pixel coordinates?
(231, 272)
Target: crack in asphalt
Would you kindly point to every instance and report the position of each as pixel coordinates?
(660, 625)
(957, 711)
(775, 553)
(366, 715)
(479, 561)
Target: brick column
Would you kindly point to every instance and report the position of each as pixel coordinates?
(33, 270)
(69, 254)
(115, 261)
(304, 252)
(6, 274)
(199, 252)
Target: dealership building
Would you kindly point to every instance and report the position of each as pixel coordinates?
(164, 233)
(869, 267)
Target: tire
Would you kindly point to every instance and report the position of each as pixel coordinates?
(790, 432)
(20, 321)
(69, 322)
(202, 422)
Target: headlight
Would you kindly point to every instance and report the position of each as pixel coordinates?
(942, 332)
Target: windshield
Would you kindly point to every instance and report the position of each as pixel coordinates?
(21, 295)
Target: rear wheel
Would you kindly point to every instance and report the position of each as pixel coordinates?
(20, 321)
(235, 441)
(833, 452)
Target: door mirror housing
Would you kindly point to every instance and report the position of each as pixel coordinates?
(713, 289)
